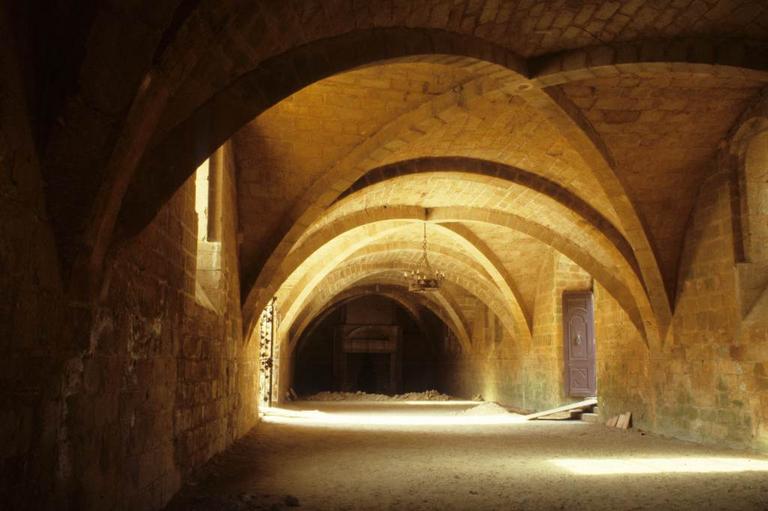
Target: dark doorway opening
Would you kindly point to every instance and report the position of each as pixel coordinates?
(371, 344)
(371, 372)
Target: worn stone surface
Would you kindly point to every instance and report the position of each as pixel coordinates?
(117, 402)
(645, 119)
(518, 466)
(528, 376)
(547, 146)
(163, 382)
(32, 307)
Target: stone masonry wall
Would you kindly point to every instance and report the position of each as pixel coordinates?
(111, 405)
(491, 368)
(545, 386)
(709, 379)
(623, 363)
(496, 361)
(32, 311)
(507, 370)
(163, 382)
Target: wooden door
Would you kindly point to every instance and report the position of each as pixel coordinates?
(579, 343)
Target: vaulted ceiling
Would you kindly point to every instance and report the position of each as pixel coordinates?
(514, 129)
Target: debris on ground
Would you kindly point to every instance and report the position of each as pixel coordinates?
(429, 395)
(487, 408)
(291, 501)
(521, 467)
(244, 502)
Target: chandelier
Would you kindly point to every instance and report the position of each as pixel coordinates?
(424, 278)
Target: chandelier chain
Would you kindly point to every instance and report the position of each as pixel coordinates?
(424, 278)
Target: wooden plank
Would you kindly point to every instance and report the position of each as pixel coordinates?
(565, 408)
(559, 416)
(624, 420)
(611, 423)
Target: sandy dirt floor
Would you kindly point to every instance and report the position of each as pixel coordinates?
(420, 456)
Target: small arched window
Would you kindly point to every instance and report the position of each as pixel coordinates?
(208, 275)
(756, 199)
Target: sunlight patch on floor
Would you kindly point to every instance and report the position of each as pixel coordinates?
(278, 415)
(618, 466)
(390, 403)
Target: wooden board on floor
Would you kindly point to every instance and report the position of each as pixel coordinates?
(624, 420)
(565, 408)
(621, 421)
(559, 416)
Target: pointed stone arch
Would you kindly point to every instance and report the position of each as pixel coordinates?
(354, 264)
(623, 284)
(396, 292)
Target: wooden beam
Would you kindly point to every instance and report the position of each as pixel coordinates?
(565, 408)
